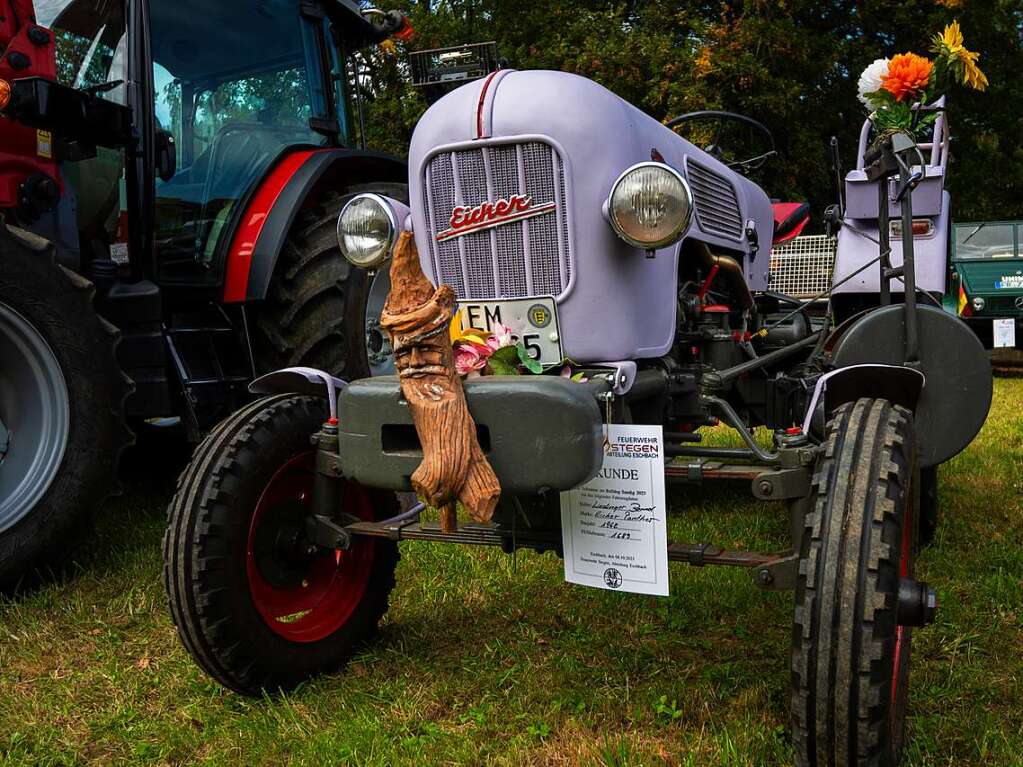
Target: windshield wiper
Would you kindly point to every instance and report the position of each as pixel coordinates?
(970, 235)
(95, 90)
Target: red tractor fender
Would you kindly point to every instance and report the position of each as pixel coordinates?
(296, 179)
(26, 50)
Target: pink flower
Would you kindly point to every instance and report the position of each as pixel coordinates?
(470, 357)
(500, 337)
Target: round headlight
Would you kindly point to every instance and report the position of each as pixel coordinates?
(978, 303)
(366, 230)
(650, 205)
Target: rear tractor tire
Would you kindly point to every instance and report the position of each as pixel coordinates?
(256, 606)
(62, 396)
(315, 310)
(856, 598)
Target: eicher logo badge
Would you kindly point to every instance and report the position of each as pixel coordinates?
(487, 215)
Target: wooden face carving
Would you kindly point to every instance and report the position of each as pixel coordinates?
(454, 467)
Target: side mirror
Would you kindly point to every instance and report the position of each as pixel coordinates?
(166, 155)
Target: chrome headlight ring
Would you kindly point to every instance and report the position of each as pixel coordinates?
(637, 193)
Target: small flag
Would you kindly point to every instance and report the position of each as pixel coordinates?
(964, 303)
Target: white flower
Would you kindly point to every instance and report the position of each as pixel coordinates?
(870, 80)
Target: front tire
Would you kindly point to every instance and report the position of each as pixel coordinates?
(850, 658)
(256, 611)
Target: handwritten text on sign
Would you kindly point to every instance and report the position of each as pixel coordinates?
(614, 527)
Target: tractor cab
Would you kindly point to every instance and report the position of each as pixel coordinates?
(232, 91)
(187, 104)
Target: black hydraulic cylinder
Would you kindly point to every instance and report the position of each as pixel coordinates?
(908, 265)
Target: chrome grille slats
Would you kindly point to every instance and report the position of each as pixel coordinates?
(479, 262)
(563, 219)
(504, 175)
(544, 264)
(717, 206)
(447, 259)
(530, 257)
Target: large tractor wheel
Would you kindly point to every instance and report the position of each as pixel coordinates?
(315, 310)
(856, 598)
(61, 409)
(256, 604)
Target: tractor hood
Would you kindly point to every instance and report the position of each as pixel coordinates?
(508, 181)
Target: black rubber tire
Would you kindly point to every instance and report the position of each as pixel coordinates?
(204, 552)
(930, 510)
(58, 303)
(313, 310)
(844, 630)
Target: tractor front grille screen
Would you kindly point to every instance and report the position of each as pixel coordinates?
(802, 267)
(527, 257)
(717, 207)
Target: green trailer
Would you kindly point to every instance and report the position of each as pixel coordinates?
(987, 280)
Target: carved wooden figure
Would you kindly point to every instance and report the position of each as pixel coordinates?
(454, 468)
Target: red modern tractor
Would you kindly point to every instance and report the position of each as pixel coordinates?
(170, 178)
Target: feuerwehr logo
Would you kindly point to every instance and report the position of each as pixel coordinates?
(612, 578)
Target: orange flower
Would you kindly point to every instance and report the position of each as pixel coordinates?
(908, 75)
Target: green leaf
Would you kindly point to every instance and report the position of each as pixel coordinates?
(502, 368)
(506, 354)
(528, 362)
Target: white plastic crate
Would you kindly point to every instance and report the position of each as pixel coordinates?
(802, 268)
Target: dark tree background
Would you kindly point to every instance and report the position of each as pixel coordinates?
(792, 64)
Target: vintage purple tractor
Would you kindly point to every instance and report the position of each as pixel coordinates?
(603, 237)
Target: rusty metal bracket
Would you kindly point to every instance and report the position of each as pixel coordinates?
(782, 484)
(778, 574)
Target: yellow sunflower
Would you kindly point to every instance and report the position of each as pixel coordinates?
(963, 62)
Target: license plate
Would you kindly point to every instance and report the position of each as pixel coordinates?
(533, 321)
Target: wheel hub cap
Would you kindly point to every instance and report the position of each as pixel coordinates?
(35, 417)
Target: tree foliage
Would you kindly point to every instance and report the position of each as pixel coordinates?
(792, 64)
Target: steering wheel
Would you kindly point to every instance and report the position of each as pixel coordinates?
(745, 165)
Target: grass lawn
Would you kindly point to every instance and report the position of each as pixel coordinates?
(485, 659)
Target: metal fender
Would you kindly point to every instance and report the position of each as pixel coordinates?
(301, 380)
(954, 403)
(897, 384)
(269, 209)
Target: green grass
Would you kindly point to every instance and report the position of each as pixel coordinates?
(485, 659)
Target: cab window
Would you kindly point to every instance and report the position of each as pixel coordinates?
(90, 44)
(986, 240)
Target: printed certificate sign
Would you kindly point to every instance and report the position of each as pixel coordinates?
(614, 527)
(1004, 333)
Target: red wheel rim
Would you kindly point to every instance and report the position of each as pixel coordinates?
(328, 586)
(905, 571)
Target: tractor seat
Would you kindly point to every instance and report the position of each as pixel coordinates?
(789, 220)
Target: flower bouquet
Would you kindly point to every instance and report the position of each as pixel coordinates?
(890, 88)
(495, 352)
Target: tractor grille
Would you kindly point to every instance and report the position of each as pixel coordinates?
(525, 258)
(802, 267)
(1004, 305)
(717, 207)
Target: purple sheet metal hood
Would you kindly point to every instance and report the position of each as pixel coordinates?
(613, 303)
